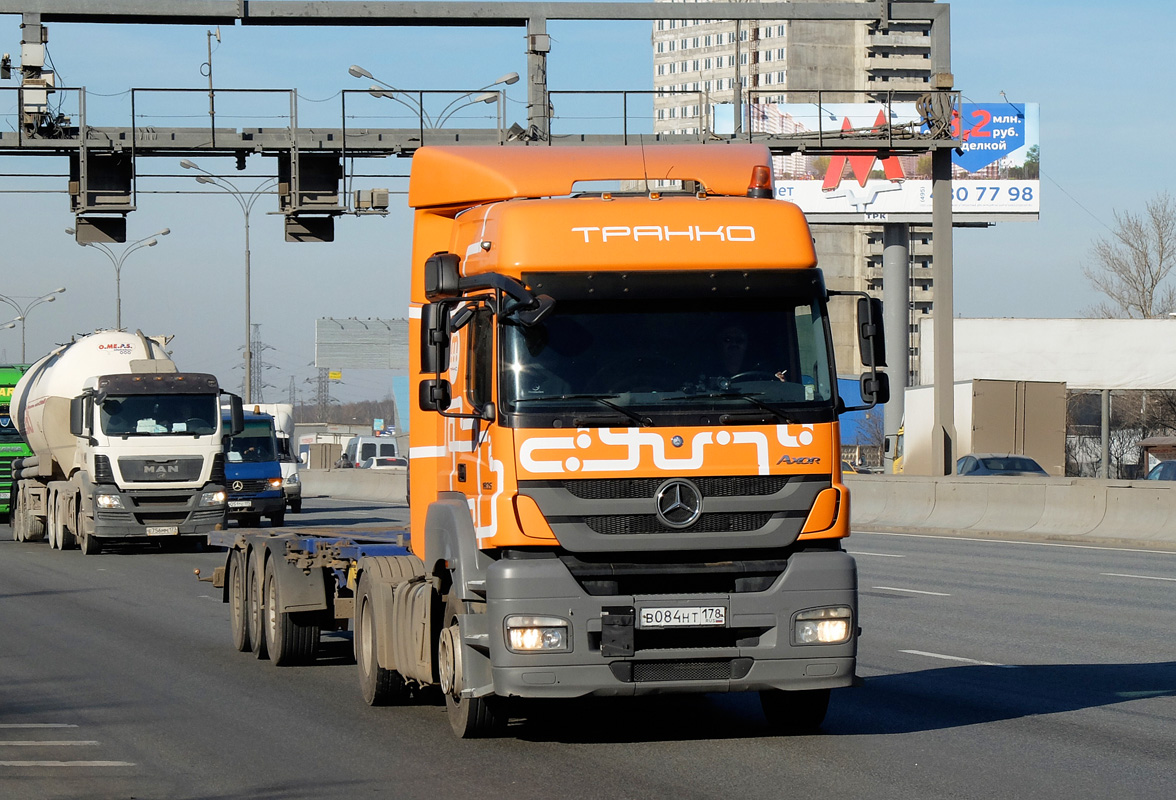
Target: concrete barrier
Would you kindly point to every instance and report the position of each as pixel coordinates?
(379, 485)
(1077, 509)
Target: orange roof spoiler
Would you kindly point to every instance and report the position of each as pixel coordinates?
(468, 176)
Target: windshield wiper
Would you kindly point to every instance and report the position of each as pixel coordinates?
(775, 411)
(587, 421)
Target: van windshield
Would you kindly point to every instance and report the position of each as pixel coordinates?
(753, 361)
(253, 445)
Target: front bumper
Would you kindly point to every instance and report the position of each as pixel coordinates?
(753, 651)
(270, 503)
(156, 512)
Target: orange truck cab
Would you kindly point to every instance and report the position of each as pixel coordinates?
(624, 448)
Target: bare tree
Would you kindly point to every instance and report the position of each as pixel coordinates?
(1132, 266)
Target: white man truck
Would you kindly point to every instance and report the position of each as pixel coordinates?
(124, 445)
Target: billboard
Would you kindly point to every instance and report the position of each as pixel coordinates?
(360, 344)
(995, 174)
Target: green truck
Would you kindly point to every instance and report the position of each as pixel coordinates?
(11, 445)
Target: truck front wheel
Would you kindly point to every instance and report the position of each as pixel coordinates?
(795, 712)
(470, 717)
(380, 687)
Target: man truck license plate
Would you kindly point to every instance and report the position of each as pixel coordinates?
(162, 530)
(683, 617)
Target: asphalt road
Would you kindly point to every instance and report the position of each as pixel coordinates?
(992, 669)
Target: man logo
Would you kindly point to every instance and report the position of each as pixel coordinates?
(679, 503)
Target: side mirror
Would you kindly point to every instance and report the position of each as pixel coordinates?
(544, 305)
(77, 416)
(442, 278)
(435, 395)
(871, 338)
(434, 338)
(236, 415)
(875, 388)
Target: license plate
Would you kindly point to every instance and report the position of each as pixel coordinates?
(682, 617)
(162, 530)
(239, 504)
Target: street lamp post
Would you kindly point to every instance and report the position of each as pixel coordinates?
(389, 91)
(245, 199)
(23, 312)
(117, 260)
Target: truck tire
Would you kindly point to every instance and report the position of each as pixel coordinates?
(290, 636)
(379, 686)
(238, 602)
(469, 717)
(797, 712)
(278, 520)
(88, 542)
(68, 521)
(296, 506)
(253, 595)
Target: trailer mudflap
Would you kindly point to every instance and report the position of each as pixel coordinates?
(298, 589)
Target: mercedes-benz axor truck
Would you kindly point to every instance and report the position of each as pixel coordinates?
(624, 445)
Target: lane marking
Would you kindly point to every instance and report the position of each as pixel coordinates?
(911, 591)
(877, 555)
(943, 657)
(36, 725)
(34, 743)
(1141, 577)
(66, 764)
(1012, 541)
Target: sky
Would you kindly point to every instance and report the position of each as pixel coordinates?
(1092, 66)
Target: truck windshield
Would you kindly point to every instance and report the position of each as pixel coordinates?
(253, 445)
(632, 362)
(159, 414)
(8, 433)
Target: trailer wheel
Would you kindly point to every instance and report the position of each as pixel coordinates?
(469, 717)
(795, 712)
(238, 602)
(253, 594)
(290, 636)
(380, 687)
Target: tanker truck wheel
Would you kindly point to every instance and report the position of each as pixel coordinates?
(290, 636)
(469, 717)
(239, 602)
(68, 521)
(88, 542)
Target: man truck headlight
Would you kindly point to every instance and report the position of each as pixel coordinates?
(108, 501)
(526, 634)
(830, 625)
(212, 499)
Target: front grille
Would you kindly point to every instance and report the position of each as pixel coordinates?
(181, 468)
(636, 488)
(248, 486)
(715, 575)
(6, 468)
(698, 670)
(620, 524)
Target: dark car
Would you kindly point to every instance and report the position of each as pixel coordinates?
(996, 464)
(1164, 471)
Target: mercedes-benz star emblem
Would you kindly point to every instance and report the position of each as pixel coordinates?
(238, 486)
(679, 503)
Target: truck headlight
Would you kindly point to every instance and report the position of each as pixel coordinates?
(275, 483)
(526, 634)
(213, 499)
(108, 501)
(293, 480)
(831, 625)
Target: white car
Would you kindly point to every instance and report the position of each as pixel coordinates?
(384, 462)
